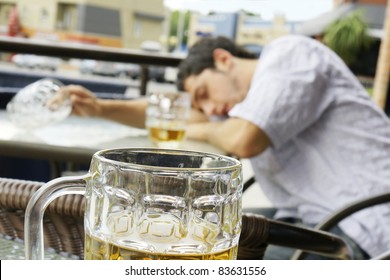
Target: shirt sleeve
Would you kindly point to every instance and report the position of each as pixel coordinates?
(288, 90)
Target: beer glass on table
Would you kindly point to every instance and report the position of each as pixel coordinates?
(156, 204)
(39, 104)
(167, 117)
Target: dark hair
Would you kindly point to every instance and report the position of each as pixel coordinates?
(200, 56)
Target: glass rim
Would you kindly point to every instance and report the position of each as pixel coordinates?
(235, 163)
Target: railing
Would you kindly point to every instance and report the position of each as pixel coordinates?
(73, 50)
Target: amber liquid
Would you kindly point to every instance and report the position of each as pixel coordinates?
(162, 136)
(96, 249)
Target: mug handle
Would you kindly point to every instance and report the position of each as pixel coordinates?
(33, 220)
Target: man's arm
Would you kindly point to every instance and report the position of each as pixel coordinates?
(235, 136)
(128, 112)
(85, 103)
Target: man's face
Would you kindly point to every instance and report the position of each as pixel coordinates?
(213, 91)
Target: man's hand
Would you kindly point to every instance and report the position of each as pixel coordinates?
(128, 112)
(84, 101)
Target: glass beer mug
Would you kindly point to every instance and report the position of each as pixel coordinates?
(39, 104)
(167, 118)
(150, 204)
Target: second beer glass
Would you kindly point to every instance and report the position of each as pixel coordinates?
(167, 117)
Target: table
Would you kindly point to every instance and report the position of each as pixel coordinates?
(76, 139)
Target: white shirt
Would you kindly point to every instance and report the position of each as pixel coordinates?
(330, 142)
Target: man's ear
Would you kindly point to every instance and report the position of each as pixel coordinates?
(222, 59)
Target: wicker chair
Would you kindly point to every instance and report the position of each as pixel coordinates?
(335, 218)
(63, 222)
(64, 229)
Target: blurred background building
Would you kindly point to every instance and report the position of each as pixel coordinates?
(247, 29)
(129, 23)
(121, 23)
(151, 25)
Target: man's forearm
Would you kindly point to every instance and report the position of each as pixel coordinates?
(131, 112)
(234, 136)
(210, 132)
(200, 131)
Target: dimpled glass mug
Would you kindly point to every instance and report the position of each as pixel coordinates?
(150, 204)
(167, 117)
(39, 104)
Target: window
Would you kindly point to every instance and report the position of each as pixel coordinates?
(5, 10)
(67, 17)
(137, 28)
(100, 20)
(44, 15)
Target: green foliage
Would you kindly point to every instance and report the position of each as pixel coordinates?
(370, 90)
(249, 13)
(348, 37)
(174, 22)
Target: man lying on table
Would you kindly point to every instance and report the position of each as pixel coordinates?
(315, 139)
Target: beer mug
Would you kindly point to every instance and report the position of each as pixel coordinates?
(156, 204)
(39, 104)
(167, 117)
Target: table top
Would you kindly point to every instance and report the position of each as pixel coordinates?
(76, 139)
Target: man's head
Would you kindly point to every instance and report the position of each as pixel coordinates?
(200, 56)
(208, 74)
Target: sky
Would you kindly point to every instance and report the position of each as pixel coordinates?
(297, 10)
